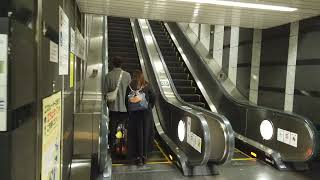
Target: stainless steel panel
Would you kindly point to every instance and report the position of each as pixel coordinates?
(81, 169)
(67, 135)
(96, 119)
(82, 133)
(23, 152)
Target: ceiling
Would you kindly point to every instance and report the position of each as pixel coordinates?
(181, 11)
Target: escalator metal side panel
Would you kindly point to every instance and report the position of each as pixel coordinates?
(247, 118)
(172, 110)
(217, 156)
(220, 128)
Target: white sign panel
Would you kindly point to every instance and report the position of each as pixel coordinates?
(192, 139)
(63, 43)
(287, 137)
(53, 52)
(3, 81)
(164, 83)
(73, 41)
(280, 135)
(294, 139)
(80, 45)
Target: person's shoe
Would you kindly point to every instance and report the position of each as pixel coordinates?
(139, 161)
(144, 160)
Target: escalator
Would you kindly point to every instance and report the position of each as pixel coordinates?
(191, 160)
(246, 119)
(121, 43)
(182, 78)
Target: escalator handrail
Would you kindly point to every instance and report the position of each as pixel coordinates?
(308, 123)
(229, 133)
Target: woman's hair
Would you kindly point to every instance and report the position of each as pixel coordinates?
(138, 80)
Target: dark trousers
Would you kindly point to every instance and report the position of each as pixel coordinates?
(115, 119)
(140, 134)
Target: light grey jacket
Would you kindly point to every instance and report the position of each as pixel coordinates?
(111, 81)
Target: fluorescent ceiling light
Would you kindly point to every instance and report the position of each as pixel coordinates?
(244, 5)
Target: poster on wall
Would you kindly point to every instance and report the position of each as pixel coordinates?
(80, 45)
(53, 52)
(51, 138)
(3, 81)
(63, 43)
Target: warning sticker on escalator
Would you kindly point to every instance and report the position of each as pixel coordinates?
(192, 139)
(287, 137)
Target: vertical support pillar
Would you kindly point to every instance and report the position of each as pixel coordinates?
(199, 32)
(255, 66)
(218, 44)
(233, 54)
(38, 24)
(291, 66)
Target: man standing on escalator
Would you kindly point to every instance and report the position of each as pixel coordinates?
(116, 83)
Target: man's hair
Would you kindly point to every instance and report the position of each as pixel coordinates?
(116, 61)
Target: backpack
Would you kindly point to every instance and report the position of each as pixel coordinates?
(137, 100)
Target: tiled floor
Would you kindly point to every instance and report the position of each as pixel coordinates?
(236, 170)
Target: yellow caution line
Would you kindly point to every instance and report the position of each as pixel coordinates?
(242, 153)
(162, 151)
(117, 165)
(243, 159)
(150, 163)
(159, 163)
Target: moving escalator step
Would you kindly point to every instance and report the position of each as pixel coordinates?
(182, 82)
(174, 64)
(191, 97)
(171, 58)
(200, 104)
(177, 69)
(180, 76)
(124, 54)
(169, 53)
(121, 49)
(186, 89)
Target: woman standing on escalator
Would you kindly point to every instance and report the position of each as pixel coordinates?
(140, 100)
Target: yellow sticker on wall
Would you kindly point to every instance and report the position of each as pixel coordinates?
(71, 70)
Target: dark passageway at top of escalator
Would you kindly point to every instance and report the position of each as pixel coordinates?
(182, 78)
(121, 43)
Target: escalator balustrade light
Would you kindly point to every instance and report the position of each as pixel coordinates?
(266, 130)
(253, 154)
(181, 130)
(170, 157)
